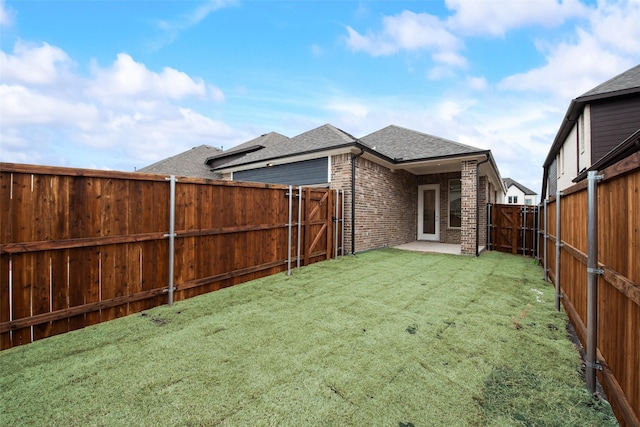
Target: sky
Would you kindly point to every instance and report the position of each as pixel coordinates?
(122, 84)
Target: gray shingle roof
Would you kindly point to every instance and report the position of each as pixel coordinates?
(630, 79)
(403, 144)
(266, 140)
(508, 182)
(189, 163)
(318, 139)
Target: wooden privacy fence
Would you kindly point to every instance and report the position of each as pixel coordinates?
(513, 229)
(80, 247)
(597, 276)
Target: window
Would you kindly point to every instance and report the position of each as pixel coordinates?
(513, 199)
(455, 203)
(528, 202)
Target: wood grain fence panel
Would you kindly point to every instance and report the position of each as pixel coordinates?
(79, 246)
(618, 289)
(6, 179)
(5, 337)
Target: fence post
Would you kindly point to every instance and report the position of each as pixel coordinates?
(544, 243)
(524, 231)
(289, 225)
(172, 233)
(489, 219)
(558, 246)
(592, 280)
(335, 225)
(299, 224)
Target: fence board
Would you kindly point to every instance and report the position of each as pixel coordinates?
(512, 229)
(618, 339)
(78, 247)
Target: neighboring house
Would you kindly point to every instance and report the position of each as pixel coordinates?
(518, 194)
(190, 163)
(595, 123)
(407, 185)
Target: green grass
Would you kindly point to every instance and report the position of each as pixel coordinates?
(384, 338)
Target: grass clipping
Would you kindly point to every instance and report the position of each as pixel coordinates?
(382, 338)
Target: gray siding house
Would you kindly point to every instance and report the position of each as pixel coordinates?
(595, 123)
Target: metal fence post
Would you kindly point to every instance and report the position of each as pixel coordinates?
(172, 234)
(336, 223)
(299, 224)
(342, 219)
(558, 246)
(524, 231)
(592, 280)
(544, 243)
(289, 225)
(489, 219)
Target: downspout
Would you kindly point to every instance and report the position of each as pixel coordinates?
(478, 202)
(353, 200)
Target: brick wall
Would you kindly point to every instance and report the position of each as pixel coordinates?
(447, 235)
(469, 199)
(386, 203)
(483, 199)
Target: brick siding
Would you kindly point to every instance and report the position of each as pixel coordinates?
(469, 199)
(386, 203)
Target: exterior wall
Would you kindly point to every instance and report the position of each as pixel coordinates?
(567, 160)
(447, 235)
(584, 139)
(514, 191)
(469, 199)
(226, 176)
(386, 209)
(341, 180)
(523, 199)
(483, 199)
(612, 121)
(306, 172)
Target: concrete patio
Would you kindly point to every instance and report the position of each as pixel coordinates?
(432, 247)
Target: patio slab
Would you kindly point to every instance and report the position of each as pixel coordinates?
(432, 247)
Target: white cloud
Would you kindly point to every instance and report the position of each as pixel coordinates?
(34, 64)
(130, 78)
(497, 17)
(21, 105)
(172, 29)
(408, 31)
(477, 83)
(121, 116)
(6, 15)
(594, 54)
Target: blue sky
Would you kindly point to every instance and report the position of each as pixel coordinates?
(122, 84)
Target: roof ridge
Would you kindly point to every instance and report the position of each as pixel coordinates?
(344, 135)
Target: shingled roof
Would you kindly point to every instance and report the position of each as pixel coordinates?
(508, 182)
(318, 139)
(403, 144)
(188, 163)
(627, 81)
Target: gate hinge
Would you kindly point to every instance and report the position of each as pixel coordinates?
(596, 365)
(597, 271)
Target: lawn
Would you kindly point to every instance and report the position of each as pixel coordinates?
(383, 338)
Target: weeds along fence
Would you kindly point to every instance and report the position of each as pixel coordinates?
(590, 240)
(80, 247)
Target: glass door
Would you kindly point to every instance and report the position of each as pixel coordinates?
(429, 212)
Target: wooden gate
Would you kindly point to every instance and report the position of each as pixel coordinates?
(513, 229)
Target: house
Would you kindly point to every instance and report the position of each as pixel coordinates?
(595, 123)
(400, 185)
(518, 194)
(189, 163)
